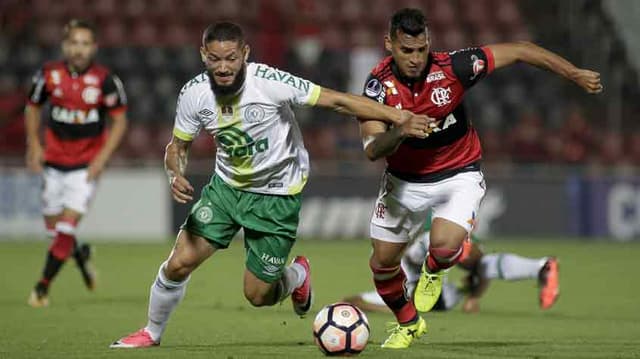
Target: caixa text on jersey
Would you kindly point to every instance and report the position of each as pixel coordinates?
(65, 115)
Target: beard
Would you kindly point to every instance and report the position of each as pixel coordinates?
(233, 88)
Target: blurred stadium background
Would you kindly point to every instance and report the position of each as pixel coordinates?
(558, 162)
(561, 166)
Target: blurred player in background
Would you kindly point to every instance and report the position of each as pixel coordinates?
(261, 168)
(440, 172)
(481, 269)
(77, 146)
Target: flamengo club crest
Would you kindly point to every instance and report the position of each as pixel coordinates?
(440, 96)
(90, 95)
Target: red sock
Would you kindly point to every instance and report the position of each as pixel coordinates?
(64, 243)
(442, 258)
(390, 286)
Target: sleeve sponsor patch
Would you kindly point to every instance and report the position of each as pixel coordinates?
(478, 65)
(373, 88)
(469, 65)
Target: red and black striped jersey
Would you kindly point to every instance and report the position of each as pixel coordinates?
(79, 102)
(439, 93)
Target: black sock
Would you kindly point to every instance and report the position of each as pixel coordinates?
(42, 288)
(81, 254)
(51, 269)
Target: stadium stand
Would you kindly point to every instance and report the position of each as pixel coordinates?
(522, 115)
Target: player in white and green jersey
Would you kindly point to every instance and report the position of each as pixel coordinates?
(261, 168)
(261, 149)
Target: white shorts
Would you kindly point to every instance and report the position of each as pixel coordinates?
(402, 207)
(66, 189)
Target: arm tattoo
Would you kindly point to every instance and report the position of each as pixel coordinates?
(183, 152)
(175, 160)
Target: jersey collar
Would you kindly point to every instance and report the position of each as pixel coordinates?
(77, 73)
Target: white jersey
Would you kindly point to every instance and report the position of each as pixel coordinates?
(259, 143)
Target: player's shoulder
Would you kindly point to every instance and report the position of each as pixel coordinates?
(463, 52)
(100, 70)
(196, 84)
(258, 69)
(265, 78)
(382, 69)
(442, 58)
(262, 72)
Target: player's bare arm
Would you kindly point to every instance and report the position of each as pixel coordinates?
(175, 164)
(118, 128)
(509, 53)
(34, 156)
(380, 141)
(365, 108)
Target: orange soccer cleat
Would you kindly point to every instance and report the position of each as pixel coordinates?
(549, 283)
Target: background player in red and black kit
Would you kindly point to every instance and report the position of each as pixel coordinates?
(440, 172)
(81, 94)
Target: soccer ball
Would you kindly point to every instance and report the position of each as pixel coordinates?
(341, 329)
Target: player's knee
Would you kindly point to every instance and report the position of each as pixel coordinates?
(381, 259)
(178, 269)
(446, 254)
(383, 272)
(383, 264)
(447, 241)
(257, 299)
(442, 242)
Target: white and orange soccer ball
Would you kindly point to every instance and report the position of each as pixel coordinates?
(341, 329)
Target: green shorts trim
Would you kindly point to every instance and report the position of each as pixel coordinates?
(270, 224)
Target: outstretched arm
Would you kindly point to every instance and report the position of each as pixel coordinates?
(508, 53)
(364, 108)
(381, 141)
(175, 164)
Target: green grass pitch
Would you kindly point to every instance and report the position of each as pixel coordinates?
(597, 316)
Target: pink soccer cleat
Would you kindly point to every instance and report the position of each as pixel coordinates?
(139, 339)
(302, 297)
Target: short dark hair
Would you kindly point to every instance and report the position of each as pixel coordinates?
(79, 24)
(410, 21)
(223, 31)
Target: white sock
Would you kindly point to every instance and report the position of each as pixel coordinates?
(416, 253)
(414, 258)
(510, 266)
(292, 277)
(450, 294)
(163, 299)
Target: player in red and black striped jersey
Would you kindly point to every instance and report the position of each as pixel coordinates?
(440, 172)
(77, 146)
